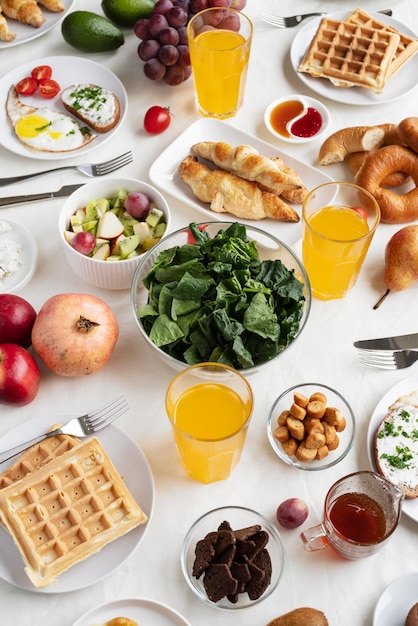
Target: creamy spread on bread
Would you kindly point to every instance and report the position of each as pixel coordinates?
(98, 107)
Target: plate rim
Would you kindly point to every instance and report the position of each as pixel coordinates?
(36, 426)
(27, 276)
(329, 91)
(95, 611)
(12, 144)
(398, 581)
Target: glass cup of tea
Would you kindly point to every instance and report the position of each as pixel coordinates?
(219, 46)
(209, 406)
(361, 512)
(339, 221)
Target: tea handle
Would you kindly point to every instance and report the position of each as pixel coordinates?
(314, 538)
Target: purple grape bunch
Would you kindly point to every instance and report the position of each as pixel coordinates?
(164, 46)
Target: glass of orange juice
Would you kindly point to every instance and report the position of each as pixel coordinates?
(339, 221)
(219, 45)
(209, 406)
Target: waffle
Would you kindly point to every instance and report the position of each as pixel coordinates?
(407, 46)
(67, 510)
(350, 54)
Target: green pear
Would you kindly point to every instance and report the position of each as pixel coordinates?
(401, 261)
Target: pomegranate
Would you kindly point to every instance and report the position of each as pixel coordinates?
(75, 334)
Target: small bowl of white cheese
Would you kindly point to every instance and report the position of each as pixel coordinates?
(18, 256)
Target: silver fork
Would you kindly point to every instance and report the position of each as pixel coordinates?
(294, 20)
(82, 426)
(388, 359)
(92, 169)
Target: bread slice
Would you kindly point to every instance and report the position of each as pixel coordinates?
(303, 616)
(94, 105)
(396, 444)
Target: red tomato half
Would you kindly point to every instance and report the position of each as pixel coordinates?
(48, 88)
(157, 119)
(27, 86)
(40, 72)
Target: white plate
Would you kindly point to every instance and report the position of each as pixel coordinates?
(66, 70)
(164, 173)
(403, 388)
(131, 463)
(399, 85)
(145, 612)
(396, 601)
(29, 251)
(25, 33)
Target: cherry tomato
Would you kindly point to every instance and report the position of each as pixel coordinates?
(361, 211)
(157, 119)
(40, 72)
(27, 86)
(48, 88)
(190, 238)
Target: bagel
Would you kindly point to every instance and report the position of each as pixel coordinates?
(395, 208)
(408, 132)
(356, 139)
(394, 179)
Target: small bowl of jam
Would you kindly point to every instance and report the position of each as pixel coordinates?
(297, 119)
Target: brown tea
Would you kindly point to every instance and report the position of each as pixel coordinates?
(358, 517)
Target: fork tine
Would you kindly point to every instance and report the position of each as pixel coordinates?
(97, 417)
(114, 164)
(275, 20)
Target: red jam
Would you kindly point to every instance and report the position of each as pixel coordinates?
(308, 125)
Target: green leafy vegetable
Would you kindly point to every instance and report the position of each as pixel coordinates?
(215, 300)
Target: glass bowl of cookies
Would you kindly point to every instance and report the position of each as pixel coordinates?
(232, 557)
(311, 426)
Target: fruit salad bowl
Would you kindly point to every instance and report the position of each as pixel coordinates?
(102, 242)
(183, 334)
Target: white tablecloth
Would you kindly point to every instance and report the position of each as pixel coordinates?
(346, 591)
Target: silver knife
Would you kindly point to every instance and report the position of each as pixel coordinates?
(61, 193)
(402, 342)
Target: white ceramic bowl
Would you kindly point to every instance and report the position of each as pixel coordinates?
(23, 238)
(308, 103)
(269, 248)
(238, 517)
(334, 399)
(105, 274)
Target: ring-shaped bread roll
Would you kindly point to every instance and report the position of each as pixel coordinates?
(395, 208)
(408, 132)
(394, 179)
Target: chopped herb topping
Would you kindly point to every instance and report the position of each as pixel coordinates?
(401, 459)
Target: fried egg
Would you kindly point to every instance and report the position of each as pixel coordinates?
(43, 128)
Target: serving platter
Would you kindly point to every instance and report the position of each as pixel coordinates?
(395, 602)
(25, 33)
(163, 171)
(131, 463)
(403, 388)
(140, 610)
(66, 70)
(399, 85)
(29, 253)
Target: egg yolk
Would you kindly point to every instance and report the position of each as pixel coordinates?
(31, 126)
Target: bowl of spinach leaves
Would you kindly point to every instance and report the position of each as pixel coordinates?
(220, 291)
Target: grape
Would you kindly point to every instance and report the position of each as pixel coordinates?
(214, 18)
(157, 23)
(184, 4)
(148, 49)
(168, 55)
(137, 204)
(162, 6)
(219, 3)
(174, 75)
(238, 5)
(231, 22)
(198, 5)
(292, 513)
(184, 55)
(141, 29)
(154, 69)
(84, 242)
(169, 36)
(177, 17)
(183, 39)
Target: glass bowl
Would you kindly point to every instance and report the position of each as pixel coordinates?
(238, 518)
(333, 400)
(268, 247)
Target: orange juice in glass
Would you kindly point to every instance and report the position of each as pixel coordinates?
(339, 221)
(219, 44)
(209, 406)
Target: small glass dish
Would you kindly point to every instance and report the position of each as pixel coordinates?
(333, 399)
(238, 517)
(297, 118)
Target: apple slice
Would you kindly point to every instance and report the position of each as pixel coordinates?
(143, 231)
(109, 226)
(69, 235)
(102, 252)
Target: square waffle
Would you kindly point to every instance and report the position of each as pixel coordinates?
(67, 510)
(350, 54)
(407, 46)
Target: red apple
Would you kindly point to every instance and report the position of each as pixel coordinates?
(19, 375)
(17, 317)
(74, 334)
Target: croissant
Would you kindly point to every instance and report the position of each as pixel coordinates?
(293, 195)
(25, 11)
(55, 6)
(244, 161)
(5, 33)
(227, 193)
